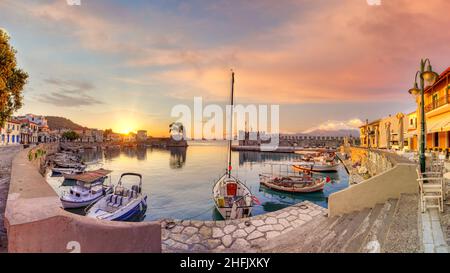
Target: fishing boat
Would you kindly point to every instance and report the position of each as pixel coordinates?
(322, 163)
(232, 198)
(316, 166)
(89, 187)
(58, 171)
(121, 205)
(294, 184)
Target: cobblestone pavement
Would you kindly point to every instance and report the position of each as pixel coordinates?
(235, 235)
(6, 156)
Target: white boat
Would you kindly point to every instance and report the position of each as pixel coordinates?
(121, 205)
(232, 198)
(89, 187)
(68, 170)
(316, 167)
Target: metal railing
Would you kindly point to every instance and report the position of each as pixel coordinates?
(437, 103)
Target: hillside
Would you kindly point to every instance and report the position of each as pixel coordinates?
(56, 123)
(338, 133)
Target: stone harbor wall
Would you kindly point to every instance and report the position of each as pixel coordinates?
(241, 235)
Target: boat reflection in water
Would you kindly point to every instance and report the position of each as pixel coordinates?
(177, 157)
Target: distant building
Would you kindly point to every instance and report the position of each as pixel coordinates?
(141, 136)
(10, 133)
(291, 140)
(114, 137)
(386, 133)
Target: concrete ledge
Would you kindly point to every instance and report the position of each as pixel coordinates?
(378, 189)
(36, 222)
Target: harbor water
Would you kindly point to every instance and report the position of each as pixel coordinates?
(179, 181)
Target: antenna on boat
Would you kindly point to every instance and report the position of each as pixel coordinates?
(231, 125)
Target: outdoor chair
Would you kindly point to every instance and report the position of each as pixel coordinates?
(431, 188)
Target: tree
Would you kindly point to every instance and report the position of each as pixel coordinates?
(12, 80)
(70, 135)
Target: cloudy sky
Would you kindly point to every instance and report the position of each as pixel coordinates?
(125, 64)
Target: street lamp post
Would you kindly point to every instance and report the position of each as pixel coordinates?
(427, 74)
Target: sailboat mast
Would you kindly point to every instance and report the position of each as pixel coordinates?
(231, 124)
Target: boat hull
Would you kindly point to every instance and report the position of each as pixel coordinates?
(317, 168)
(128, 212)
(316, 187)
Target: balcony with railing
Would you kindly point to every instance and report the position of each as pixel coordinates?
(437, 103)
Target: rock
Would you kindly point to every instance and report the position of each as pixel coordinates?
(304, 217)
(199, 248)
(190, 230)
(272, 234)
(176, 229)
(180, 246)
(271, 220)
(258, 223)
(229, 228)
(227, 240)
(194, 239)
(278, 227)
(179, 237)
(240, 244)
(205, 232)
(186, 223)
(315, 213)
(283, 215)
(255, 234)
(291, 218)
(164, 234)
(197, 224)
(213, 243)
(265, 228)
(293, 212)
(217, 232)
(169, 242)
(297, 223)
(249, 229)
(239, 233)
(284, 222)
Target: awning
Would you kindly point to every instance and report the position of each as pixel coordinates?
(434, 126)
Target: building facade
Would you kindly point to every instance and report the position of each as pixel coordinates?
(10, 133)
(437, 113)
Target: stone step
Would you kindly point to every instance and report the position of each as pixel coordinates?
(374, 241)
(403, 233)
(353, 245)
(313, 240)
(290, 242)
(337, 231)
(343, 238)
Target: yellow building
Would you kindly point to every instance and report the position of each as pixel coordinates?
(412, 133)
(370, 134)
(437, 113)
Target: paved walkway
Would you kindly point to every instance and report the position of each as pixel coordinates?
(432, 234)
(237, 235)
(6, 156)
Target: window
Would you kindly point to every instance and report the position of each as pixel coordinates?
(13, 139)
(435, 100)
